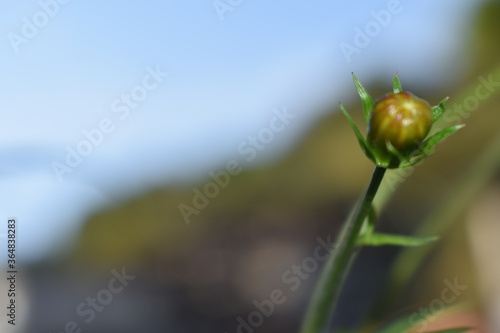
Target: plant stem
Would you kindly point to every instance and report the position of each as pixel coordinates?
(328, 288)
(409, 261)
(471, 182)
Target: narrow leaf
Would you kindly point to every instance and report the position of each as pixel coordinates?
(438, 110)
(396, 84)
(362, 141)
(400, 325)
(453, 330)
(403, 324)
(433, 140)
(366, 99)
(380, 239)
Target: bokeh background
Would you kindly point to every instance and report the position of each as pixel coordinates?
(116, 116)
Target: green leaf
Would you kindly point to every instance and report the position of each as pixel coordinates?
(403, 324)
(380, 239)
(362, 141)
(453, 330)
(400, 325)
(433, 140)
(438, 110)
(366, 99)
(396, 84)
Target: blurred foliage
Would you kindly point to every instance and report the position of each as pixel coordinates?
(303, 196)
(485, 37)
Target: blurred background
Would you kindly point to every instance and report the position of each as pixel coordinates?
(183, 167)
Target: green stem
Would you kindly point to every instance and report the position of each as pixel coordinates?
(328, 288)
(409, 261)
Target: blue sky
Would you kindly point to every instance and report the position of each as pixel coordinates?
(224, 79)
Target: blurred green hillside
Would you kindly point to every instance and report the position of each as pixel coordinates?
(269, 217)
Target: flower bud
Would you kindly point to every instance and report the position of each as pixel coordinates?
(401, 119)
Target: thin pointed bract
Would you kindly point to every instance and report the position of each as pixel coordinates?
(433, 140)
(438, 110)
(366, 99)
(362, 141)
(396, 84)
